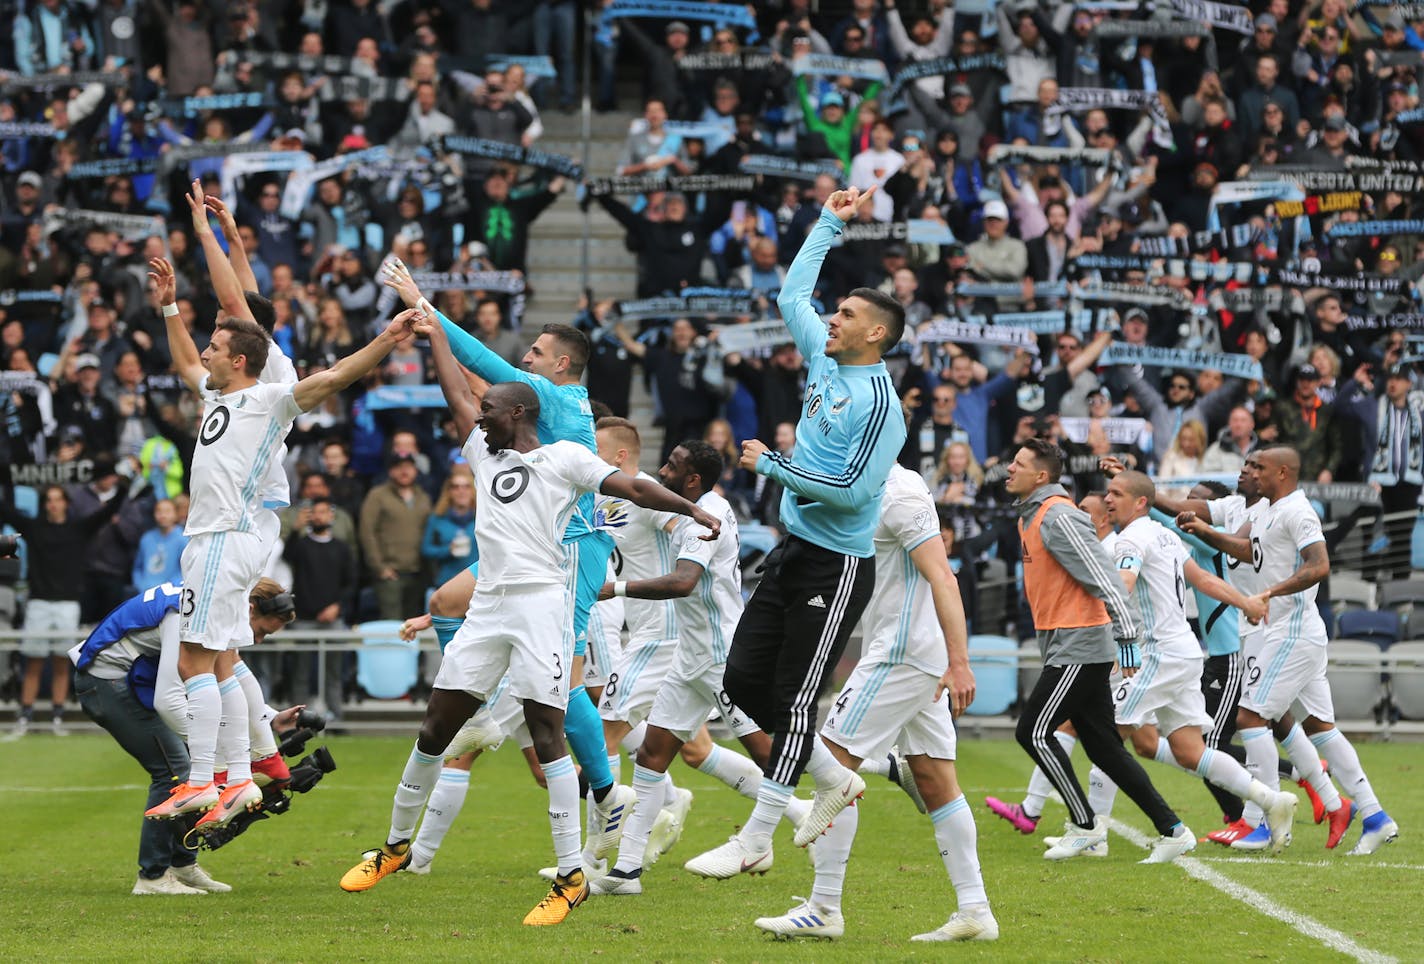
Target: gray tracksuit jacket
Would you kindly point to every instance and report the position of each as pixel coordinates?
(1068, 535)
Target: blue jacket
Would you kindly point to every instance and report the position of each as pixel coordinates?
(440, 532)
(850, 430)
(156, 561)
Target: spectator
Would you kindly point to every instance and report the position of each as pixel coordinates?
(686, 402)
(80, 404)
(874, 166)
(424, 121)
(974, 402)
(324, 579)
(496, 336)
(160, 549)
(1236, 441)
(996, 256)
(670, 246)
(501, 221)
(1308, 425)
(392, 520)
(345, 488)
(188, 44)
(449, 542)
(316, 487)
(957, 482)
(776, 383)
(1184, 455)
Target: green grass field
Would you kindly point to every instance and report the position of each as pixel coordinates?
(71, 816)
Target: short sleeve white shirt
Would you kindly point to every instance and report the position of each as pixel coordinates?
(240, 437)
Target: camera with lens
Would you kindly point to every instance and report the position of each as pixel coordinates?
(9, 546)
(309, 724)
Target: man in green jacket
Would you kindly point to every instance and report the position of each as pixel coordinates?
(834, 122)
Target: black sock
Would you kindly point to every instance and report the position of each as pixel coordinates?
(894, 774)
(599, 793)
(27, 713)
(633, 874)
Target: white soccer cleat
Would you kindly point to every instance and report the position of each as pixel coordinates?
(1168, 849)
(806, 919)
(1376, 834)
(1076, 840)
(167, 885)
(199, 879)
(732, 858)
(905, 780)
(1279, 818)
(970, 924)
(826, 804)
(419, 867)
(610, 817)
(480, 732)
(616, 885)
(668, 827)
(1097, 850)
(591, 872)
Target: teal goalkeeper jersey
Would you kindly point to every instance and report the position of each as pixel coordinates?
(1220, 623)
(564, 411)
(851, 428)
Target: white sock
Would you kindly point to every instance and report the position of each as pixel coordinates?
(825, 769)
(1345, 764)
(796, 810)
(650, 787)
(232, 731)
(422, 772)
(669, 791)
(771, 802)
(204, 719)
(733, 769)
(1306, 759)
(1101, 793)
(958, 843)
(1165, 755)
(832, 855)
(1261, 760)
(564, 811)
(615, 766)
(634, 739)
(879, 768)
(259, 726)
(440, 812)
(1225, 772)
(1039, 786)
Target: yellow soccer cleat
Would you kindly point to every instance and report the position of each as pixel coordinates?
(378, 863)
(566, 894)
(185, 798)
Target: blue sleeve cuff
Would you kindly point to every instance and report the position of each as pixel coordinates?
(833, 222)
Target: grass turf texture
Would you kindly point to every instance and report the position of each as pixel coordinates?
(72, 810)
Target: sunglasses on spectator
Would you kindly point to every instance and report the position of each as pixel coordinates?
(1180, 386)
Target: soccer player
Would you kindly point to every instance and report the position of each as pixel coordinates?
(518, 623)
(553, 367)
(120, 697)
(912, 679)
(1079, 609)
(819, 578)
(705, 584)
(1155, 567)
(243, 425)
(1291, 664)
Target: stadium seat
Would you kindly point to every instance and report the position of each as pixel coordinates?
(995, 677)
(1406, 684)
(1379, 628)
(1349, 590)
(26, 499)
(1356, 690)
(386, 665)
(1404, 597)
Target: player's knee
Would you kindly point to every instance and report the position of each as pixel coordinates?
(1023, 732)
(435, 735)
(693, 754)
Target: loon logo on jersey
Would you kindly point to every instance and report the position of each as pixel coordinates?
(510, 484)
(814, 407)
(215, 425)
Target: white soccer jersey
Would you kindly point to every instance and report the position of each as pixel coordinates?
(1157, 556)
(240, 437)
(1109, 542)
(707, 618)
(900, 624)
(644, 551)
(1231, 513)
(277, 492)
(1286, 530)
(526, 499)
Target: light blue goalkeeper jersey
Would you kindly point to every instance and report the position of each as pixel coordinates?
(1220, 623)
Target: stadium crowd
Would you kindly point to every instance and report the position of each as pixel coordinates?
(1161, 232)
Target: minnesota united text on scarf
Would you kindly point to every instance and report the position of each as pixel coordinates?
(772, 165)
(747, 61)
(968, 333)
(505, 282)
(1372, 283)
(1073, 100)
(1119, 431)
(828, 65)
(692, 184)
(734, 14)
(1238, 366)
(131, 227)
(940, 67)
(1001, 154)
(696, 306)
(1224, 15)
(1117, 29)
(500, 151)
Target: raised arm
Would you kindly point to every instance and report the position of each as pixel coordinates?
(1110, 466)
(187, 362)
(630, 344)
(1090, 354)
(224, 279)
(794, 300)
(933, 565)
(463, 406)
(659, 498)
(236, 253)
(1219, 589)
(467, 349)
(1237, 546)
(315, 389)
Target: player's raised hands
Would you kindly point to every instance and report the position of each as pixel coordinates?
(847, 204)
(402, 326)
(1110, 465)
(165, 282)
(396, 275)
(751, 451)
(197, 204)
(226, 221)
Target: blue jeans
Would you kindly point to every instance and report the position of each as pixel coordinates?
(554, 27)
(111, 704)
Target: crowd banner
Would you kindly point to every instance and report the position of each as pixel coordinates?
(829, 65)
(747, 61)
(1044, 322)
(941, 67)
(943, 330)
(1244, 192)
(113, 167)
(772, 165)
(1229, 364)
(1073, 100)
(1409, 321)
(691, 184)
(1117, 293)
(1370, 283)
(10, 297)
(1119, 431)
(679, 306)
(77, 78)
(1313, 204)
(361, 87)
(1307, 178)
(20, 130)
(193, 106)
(1375, 229)
(1406, 177)
(1010, 289)
(39, 474)
(505, 282)
(239, 166)
(180, 154)
(130, 227)
(1360, 493)
(1001, 154)
(1163, 246)
(1151, 29)
(757, 338)
(325, 65)
(404, 396)
(734, 14)
(305, 177)
(514, 153)
(536, 66)
(1225, 16)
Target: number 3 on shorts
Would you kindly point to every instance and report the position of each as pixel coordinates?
(189, 604)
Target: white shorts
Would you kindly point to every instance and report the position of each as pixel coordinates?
(883, 704)
(688, 697)
(1167, 690)
(506, 714)
(605, 642)
(1286, 670)
(525, 633)
(58, 614)
(219, 571)
(633, 685)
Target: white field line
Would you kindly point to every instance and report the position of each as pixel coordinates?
(1340, 862)
(1256, 900)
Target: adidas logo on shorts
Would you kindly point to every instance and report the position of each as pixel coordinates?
(816, 601)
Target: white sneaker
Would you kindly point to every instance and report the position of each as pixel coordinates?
(1076, 840)
(905, 780)
(1279, 817)
(591, 872)
(1372, 840)
(195, 876)
(18, 731)
(668, 827)
(971, 924)
(1096, 850)
(616, 886)
(806, 919)
(732, 858)
(56, 726)
(610, 817)
(166, 885)
(1168, 849)
(421, 867)
(480, 732)
(826, 804)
